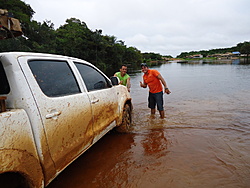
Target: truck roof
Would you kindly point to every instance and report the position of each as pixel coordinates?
(37, 55)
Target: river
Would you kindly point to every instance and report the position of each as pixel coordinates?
(203, 142)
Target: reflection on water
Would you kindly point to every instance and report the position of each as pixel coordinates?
(203, 142)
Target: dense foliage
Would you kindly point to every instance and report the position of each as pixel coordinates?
(245, 48)
(73, 38)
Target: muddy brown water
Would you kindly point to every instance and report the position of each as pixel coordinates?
(203, 142)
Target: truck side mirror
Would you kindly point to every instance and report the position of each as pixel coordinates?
(114, 80)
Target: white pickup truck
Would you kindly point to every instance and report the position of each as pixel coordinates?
(52, 109)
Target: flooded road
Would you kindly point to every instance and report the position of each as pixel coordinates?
(203, 142)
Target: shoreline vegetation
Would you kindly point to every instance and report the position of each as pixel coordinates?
(232, 60)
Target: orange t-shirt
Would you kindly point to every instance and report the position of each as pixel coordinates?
(152, 81)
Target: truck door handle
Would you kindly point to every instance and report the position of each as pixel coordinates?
(53, 115)
(94, 101)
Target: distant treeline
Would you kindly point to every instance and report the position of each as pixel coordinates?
(243, 48)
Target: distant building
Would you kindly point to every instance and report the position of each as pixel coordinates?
(195, 56)
(236, 53)
(226, 55)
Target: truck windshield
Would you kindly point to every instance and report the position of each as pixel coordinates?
(4, 84)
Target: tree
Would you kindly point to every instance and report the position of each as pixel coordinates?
(133, 56)
(183, 55)
(151, 56)
(40, 37)
(73, 39)
(245, 48)
(20, 10)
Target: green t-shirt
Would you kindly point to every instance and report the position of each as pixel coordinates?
(123, 79)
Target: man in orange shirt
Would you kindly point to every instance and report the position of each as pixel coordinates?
(153, 79)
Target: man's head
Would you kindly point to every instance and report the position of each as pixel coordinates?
(123, 69)
(144, 67)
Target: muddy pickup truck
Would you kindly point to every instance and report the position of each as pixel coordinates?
(52, 109)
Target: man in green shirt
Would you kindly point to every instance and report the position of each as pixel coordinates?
(124, 77)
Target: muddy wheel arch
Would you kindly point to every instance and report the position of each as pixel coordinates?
(126, 122)
(22, 167)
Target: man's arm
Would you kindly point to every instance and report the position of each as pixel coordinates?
(128, 84)
(118, 77)
(166, 90)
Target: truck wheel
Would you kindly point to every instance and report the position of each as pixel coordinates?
(13, 180)
(126, 120)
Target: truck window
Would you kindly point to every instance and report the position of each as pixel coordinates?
(4, 84)
(55, 78)
(93, 79)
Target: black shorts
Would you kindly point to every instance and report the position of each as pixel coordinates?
(155, 99)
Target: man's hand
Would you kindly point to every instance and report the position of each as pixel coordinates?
(167, 91)
(143, 85)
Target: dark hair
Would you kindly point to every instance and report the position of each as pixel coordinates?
(144, 64)
(124, 66)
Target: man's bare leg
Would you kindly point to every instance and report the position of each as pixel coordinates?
(152, 111)
(162, 114)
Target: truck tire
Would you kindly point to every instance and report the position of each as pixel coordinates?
(13, 180)
(126, 120)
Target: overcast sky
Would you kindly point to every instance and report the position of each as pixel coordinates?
(168, 27)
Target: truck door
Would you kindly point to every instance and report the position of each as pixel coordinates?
(103, 97)
(64, 107)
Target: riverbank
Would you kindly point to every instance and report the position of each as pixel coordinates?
(211, 61)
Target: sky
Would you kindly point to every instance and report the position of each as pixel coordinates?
(167, 27)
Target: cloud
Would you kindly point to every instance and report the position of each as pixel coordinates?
(160, 26)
